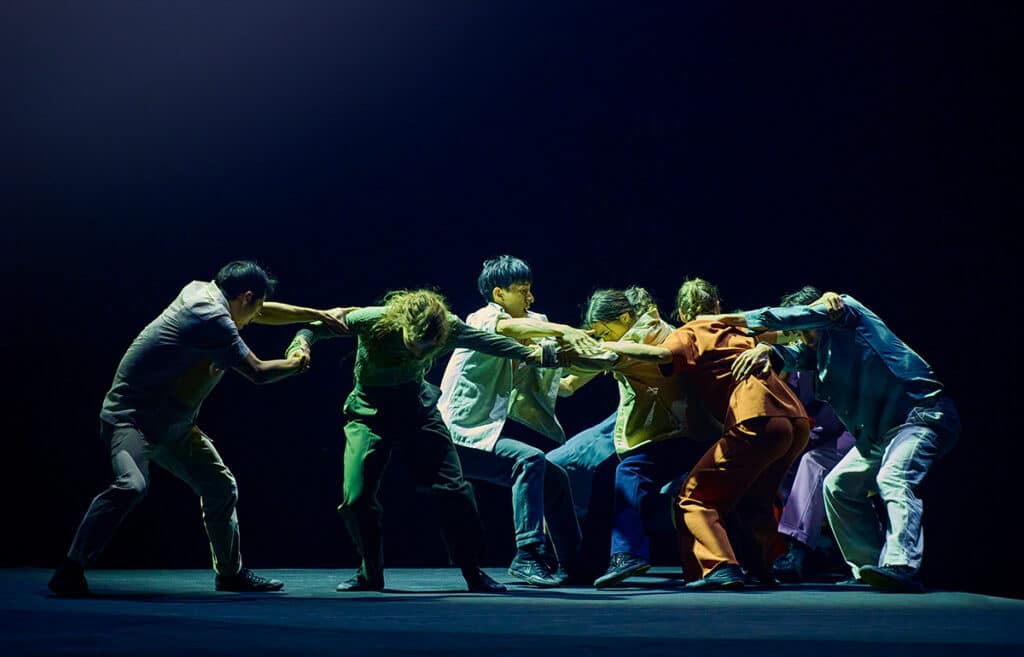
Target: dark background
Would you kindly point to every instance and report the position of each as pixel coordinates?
(357, 147)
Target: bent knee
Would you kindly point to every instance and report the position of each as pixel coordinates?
(132, 486)
(532, 460)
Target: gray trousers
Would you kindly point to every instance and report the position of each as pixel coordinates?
(540, 491)
(193, 460)
(895, 470)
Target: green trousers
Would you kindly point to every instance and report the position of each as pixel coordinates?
(396, 418)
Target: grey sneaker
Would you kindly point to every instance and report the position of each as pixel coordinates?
(530, 566)
(621, 567)
(247, 581)
(725, 577)
(893, 579)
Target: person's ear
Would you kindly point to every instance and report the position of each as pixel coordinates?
(627, 318)
(497, 294)
(247, 297)
(682, 317)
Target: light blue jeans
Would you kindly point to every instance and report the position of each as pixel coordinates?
(540, 491)
(589, 459)
(895, 470)
(582, 456)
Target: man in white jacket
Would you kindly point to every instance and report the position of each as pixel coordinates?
(480, 392)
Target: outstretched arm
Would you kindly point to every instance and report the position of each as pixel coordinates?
(276, 314)
(730, 319)
(521, 328)
(357, 320)
(268, 371)
(645, 352)
(492, 344)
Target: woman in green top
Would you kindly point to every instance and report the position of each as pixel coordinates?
(653, 438)
(392, 406)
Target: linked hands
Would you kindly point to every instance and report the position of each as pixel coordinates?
(833, 304)
(301, 357)
(580, 341)
(335, 317)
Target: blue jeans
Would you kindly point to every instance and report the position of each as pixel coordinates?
(589, 459)
(638, 479)
(540, 491)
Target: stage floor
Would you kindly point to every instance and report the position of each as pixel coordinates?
(424, 612)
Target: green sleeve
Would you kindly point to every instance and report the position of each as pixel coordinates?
(358, 321)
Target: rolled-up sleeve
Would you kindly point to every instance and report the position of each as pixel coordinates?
(683, 347)
(492, 344)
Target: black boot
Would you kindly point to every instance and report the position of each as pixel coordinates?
(68, 580)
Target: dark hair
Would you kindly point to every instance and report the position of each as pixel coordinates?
(241, 276)
(801, 297)
(609, 305)
(696, 297)
(502, 272)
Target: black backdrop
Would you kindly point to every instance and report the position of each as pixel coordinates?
(364, 146)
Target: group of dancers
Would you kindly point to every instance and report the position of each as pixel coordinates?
(815, 400)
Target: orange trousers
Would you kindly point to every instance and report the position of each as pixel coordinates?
(740, 473)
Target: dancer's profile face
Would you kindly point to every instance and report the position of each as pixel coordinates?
(247, 309)
(516, 299)
(614, 329)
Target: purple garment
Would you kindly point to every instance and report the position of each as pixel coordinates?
(801, 491)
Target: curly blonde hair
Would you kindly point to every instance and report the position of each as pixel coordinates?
(696, 297)
(421, 314)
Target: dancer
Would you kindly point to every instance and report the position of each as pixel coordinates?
(896, 408)
(765, 428)
(653, 437)
(392, 406)
(149, 415)
(480, 392)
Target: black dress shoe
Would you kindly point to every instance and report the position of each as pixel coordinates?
(477, 581)
(893, 579)
(725, 577)
(68, 581)
(246, 581)
(762, 580)
(360, 582)
(621, 567)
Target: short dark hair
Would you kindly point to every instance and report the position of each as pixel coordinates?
(502, 272)
(801, 297)
(609, 305)
(240, 276)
